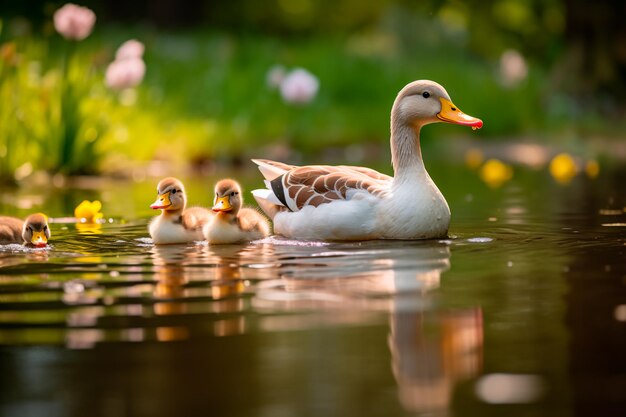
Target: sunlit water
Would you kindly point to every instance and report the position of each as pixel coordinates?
(522, 310)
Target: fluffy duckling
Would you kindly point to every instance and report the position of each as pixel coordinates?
(34, 231)
(176, 224)
(232, 223)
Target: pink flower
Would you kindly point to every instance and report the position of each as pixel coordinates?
(130, 49)
(125, 73)
(299, 86)
(74, 22)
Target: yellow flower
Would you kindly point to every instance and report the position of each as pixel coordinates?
(563, 168)
(495, 173)
(89, 212)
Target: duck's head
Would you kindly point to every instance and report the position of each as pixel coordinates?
(36, 231)
(228, 198)
(170, 195)
(422, 102)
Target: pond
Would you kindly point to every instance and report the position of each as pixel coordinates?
(522, 310)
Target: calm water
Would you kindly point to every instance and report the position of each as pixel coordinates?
(522, 311)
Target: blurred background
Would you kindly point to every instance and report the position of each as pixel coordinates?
(216, 83)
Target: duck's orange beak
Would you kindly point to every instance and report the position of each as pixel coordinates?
(222, 204)
(451, 114)
(39, 239)
(162, 202)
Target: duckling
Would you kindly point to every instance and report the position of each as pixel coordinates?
(176, 224)
(34, 231)
(232, 223)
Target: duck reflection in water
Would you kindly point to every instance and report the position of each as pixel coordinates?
(431, 352)
(171, 275)
(431, 349)
(183, 284)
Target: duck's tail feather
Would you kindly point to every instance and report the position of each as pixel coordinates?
(272, 169)
(268, 202)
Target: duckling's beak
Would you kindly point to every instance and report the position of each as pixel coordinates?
(451, 114)
(162, 202)
(39, 239)
(222, 204)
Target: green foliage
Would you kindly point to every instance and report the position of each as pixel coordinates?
(205, 94)
(46, 121)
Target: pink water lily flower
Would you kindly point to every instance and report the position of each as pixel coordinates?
(299, 86)
(130, 49)
(74, 22)
(125, 73)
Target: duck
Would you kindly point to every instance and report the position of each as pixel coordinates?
(233, 223)
(176, 224)
(33, 231)
(347, 203)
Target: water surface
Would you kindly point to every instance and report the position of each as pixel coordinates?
(521, 311)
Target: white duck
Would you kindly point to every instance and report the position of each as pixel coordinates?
(232, 223)
(176, 224)
(357, 203)
(33, 231)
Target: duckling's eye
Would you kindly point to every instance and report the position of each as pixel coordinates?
(45, 227)
(232, 194)
(30, 229)
(425, 94)
(174, 191)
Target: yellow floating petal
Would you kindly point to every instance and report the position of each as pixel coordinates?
(89, 211)
(563, 168)
(495, 173)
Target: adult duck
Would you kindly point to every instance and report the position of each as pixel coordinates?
(33, 231)
(176, 224)
(356, 203)
(233, 223)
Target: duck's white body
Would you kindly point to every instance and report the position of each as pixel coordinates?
(401, 210)
(166, 230)
(356, 203)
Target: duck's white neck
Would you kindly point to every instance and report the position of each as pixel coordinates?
(406, 155)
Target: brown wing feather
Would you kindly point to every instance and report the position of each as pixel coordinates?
(276, 164)
(10, 230)
(319, 184)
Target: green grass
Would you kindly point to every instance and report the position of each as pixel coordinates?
(205, 96)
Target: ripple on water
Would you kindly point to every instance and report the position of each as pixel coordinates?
(480, 240)
(281, 241)
(16, 247)
(144, 241)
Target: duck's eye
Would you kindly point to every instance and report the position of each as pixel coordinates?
(45, 227)
(232, 194)
(174, 191)
(425, 94)
(30, 229)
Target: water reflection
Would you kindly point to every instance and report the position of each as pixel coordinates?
(431, 351)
